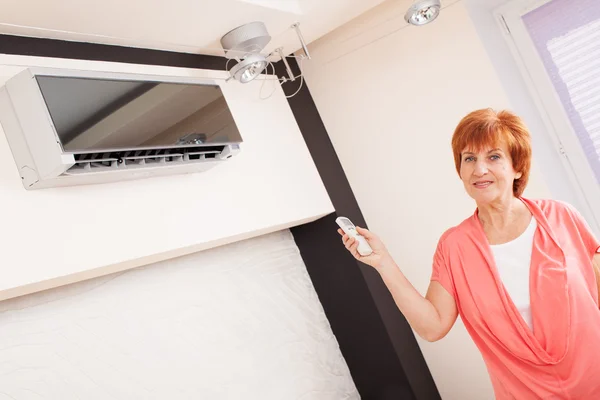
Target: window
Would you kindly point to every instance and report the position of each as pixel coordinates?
(566, 34)
(557, 43)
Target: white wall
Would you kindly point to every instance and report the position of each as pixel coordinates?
(56, 236)
(390, 97)
(241, 321)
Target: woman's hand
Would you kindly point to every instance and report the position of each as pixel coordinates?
(432, 316)
(379, 254)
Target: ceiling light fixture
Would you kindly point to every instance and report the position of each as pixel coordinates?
(244, 45)
(423, 12)
(249, 68)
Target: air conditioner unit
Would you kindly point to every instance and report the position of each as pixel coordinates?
(67, 127)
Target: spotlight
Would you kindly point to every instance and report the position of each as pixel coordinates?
(244, 44)
(249, 68)
(423, 12)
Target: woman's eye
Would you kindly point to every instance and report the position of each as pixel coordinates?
(469, 159)
(495, 157)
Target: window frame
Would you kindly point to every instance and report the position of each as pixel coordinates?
(540, 87)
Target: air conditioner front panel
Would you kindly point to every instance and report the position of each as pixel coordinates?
(183, 126)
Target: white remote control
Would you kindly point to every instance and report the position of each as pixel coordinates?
(349, 229)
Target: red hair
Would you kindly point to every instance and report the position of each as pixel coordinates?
(486, 128)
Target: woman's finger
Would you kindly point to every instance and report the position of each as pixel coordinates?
(349, 243)
(354, 249)
(344, 239)
(364, 232)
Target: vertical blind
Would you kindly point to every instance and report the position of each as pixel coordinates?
(566, 34)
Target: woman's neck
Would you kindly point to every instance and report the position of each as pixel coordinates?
(502, 213)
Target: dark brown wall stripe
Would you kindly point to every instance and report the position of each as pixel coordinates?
(389, 340)
(377, 343)
(29, 46)
(352, 313)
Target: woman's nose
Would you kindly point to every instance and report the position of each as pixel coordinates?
(480, 168)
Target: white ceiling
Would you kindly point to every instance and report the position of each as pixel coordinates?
(193, 26)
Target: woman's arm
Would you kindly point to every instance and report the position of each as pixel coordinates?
(590, 241)
(431, 316)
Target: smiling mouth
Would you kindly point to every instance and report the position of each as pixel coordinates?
(482, 184)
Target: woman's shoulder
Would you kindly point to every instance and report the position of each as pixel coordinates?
(550, 204)
(451, 236)
(555, 207)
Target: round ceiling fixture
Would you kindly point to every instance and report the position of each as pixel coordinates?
(249, 68)
(247, 39)
(423, 12)
(244, 44)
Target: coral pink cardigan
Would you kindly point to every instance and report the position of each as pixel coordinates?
(560, 359)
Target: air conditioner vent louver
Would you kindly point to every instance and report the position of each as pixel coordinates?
(126, 159)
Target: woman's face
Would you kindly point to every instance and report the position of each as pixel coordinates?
(488, 174)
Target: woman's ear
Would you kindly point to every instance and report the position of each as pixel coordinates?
(518, 175)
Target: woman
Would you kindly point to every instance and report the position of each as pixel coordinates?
(523, 274)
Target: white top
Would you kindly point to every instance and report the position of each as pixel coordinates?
(512, 261)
